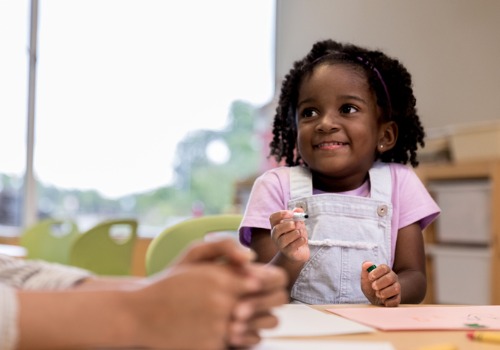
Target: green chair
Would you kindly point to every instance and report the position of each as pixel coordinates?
(107, 248)
(49, 240)
(165, 247)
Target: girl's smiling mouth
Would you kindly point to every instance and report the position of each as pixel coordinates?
(330, 145)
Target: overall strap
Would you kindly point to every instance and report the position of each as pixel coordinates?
(380, 182)
(300, 182)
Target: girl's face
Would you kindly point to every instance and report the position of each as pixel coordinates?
(338, 126)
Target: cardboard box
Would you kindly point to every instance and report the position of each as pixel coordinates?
(475, 142)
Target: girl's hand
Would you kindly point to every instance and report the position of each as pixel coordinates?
(290, 236)
(381, 285)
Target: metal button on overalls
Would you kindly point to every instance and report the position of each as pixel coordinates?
(382, 210)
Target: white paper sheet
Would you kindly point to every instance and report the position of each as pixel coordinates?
(276, 344)
(299, 320)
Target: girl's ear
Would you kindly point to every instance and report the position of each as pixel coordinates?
(388, 136)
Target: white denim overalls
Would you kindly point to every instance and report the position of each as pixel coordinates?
(343, 232)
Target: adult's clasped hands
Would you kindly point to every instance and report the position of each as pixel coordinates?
(214, 297)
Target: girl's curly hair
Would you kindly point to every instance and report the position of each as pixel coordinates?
(388, 78)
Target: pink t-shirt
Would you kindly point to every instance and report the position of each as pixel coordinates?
(410, 200)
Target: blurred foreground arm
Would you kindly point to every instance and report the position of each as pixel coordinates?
(197, 304)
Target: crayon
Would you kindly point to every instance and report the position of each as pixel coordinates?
(490, 337)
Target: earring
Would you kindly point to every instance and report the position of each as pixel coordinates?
(381, 146)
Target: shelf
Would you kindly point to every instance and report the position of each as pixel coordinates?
(489, 170)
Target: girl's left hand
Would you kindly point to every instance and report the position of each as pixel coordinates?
(381, 285)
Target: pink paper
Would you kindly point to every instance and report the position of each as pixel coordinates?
(425, 317)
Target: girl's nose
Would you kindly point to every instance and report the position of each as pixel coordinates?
(328, 122)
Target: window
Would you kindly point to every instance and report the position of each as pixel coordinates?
(14, 26)
(121, 85)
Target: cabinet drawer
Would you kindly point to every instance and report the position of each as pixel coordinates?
(462, 275)
(465, 211)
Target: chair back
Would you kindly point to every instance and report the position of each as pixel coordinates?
(49, 240)
(107, 248)
(165, 247)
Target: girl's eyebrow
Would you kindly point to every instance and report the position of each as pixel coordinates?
(307, 100)
(354, 97)
(343, 97)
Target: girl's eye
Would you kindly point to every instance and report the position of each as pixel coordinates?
(308, 113)
(348, 109)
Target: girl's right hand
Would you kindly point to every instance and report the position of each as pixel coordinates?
(290, 236)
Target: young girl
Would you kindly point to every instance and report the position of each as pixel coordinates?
(346, 125)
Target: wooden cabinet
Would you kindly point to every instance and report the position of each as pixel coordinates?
(484, 170)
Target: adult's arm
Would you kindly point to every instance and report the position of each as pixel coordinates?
(191, 305)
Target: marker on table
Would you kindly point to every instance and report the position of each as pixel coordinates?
(490, 337)
(300, 216)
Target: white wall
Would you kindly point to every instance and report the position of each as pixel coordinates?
(451, 47)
